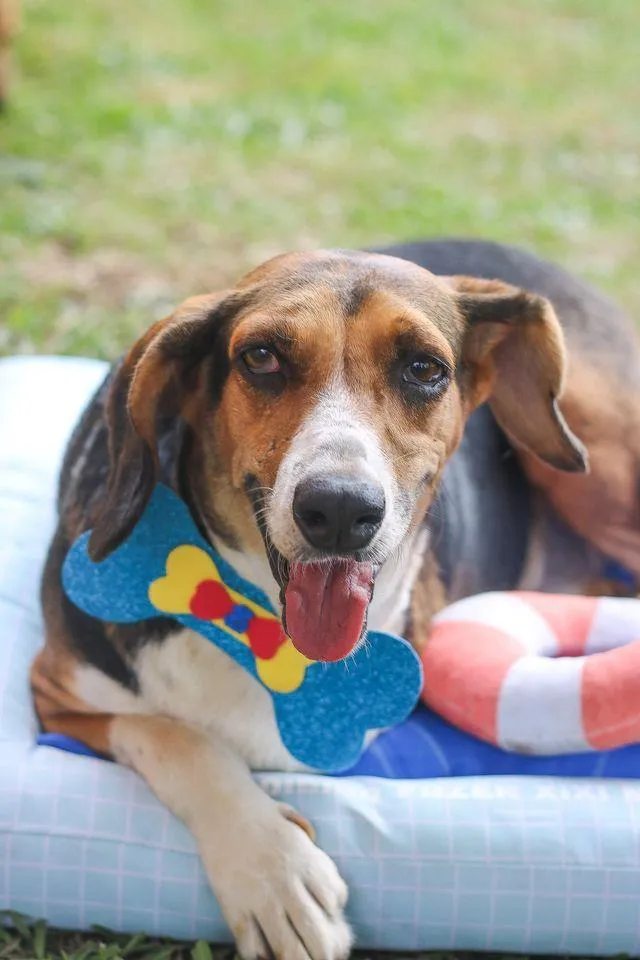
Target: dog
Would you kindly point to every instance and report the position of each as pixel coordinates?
(366, 436)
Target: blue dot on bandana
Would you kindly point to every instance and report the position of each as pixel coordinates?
(239, 618)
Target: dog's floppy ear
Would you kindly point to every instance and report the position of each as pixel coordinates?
(514, 357)
(156, 381)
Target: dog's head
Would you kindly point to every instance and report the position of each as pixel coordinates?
(323, 396)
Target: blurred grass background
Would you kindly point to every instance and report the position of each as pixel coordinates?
(156, 149)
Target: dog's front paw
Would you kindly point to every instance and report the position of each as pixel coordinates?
(281, 895)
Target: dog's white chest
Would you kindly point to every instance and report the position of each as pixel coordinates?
(190, 678)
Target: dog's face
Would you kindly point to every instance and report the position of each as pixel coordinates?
(324, 395)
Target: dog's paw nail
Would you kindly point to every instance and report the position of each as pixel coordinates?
(293, 816)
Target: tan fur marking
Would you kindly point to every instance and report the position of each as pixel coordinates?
(428, 598)
(602, 506)
(256, 429)
(58, 706)
(418, 440)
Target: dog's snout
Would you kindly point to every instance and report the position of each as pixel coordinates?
(339, 514)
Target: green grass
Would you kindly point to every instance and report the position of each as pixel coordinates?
(26, 940)
(35, 941)
(156, 149)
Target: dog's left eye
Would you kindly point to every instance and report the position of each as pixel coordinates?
(424, 372)
(260, 360)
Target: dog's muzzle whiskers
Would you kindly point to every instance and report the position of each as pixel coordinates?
(278, 564)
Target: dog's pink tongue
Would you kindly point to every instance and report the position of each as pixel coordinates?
(326, 607)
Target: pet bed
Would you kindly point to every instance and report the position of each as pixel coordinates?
(533, 864)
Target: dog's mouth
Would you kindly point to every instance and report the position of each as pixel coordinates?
(324, 604)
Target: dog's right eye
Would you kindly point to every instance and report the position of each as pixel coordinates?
(260, 360)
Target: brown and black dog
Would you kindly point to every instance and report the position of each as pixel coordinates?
(365, 436)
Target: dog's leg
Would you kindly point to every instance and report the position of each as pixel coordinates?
(603, 506)
(280, 894)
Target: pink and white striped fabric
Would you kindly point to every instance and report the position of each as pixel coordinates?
(538, 673)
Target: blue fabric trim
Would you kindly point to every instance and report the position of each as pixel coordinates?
(615, 571)
(425, 747)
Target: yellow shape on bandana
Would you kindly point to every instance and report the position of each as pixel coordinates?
(187, 567)
(285, 671)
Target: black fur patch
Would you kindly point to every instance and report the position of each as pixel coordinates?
(354, 297)
(91, 644)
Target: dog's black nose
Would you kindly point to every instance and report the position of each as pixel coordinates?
(340, 514)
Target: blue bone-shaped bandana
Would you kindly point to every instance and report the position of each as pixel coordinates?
(165, 568)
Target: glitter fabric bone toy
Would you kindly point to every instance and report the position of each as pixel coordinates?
(165, 568)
